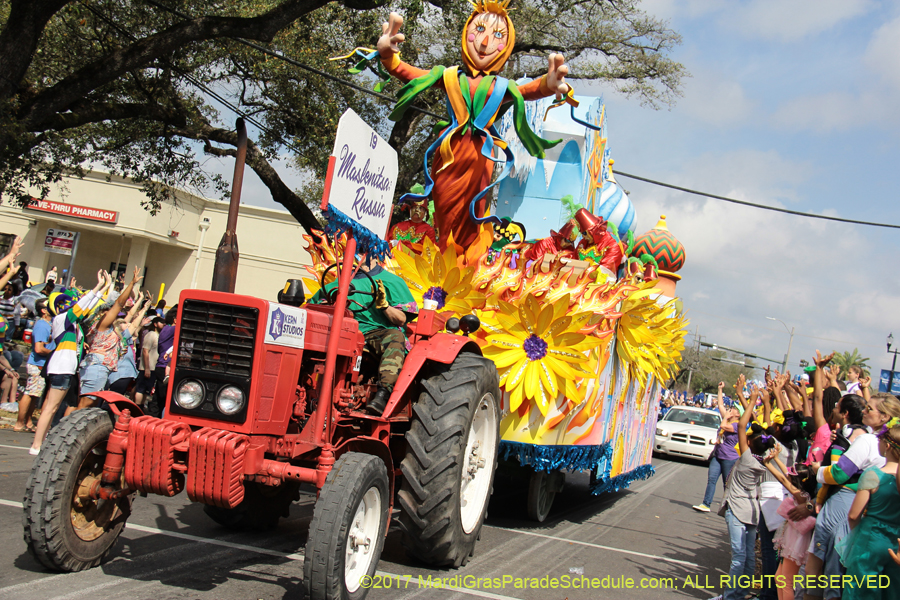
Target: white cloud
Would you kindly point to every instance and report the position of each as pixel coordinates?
(744, 264)
(883, 53)
(668, 9)
(253, 191)
(779, 20)
(836, 111)
(716, 99)
(791, 20)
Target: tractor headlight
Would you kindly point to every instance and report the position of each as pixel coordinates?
(230, 399)
(189, 394)
(661, 432)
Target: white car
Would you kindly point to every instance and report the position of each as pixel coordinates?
(688, 431)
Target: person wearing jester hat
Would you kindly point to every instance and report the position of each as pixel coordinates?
(561, 243)
(412, 233)
(65, 330)
(459, 165)
(597, 243)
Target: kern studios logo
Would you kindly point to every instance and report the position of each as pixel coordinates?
(277, 326)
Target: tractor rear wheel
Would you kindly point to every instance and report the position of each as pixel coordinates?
(262, 507)
(65, 529)
(348, 529)
(448, 470)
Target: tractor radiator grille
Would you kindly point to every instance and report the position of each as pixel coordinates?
(217, 337)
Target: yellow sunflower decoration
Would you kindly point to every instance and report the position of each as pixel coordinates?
(649, 337)
(539, 352)
(439, 277)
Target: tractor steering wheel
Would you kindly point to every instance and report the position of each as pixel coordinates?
(332, 295)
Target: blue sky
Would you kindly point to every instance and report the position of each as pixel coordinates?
(791, 103)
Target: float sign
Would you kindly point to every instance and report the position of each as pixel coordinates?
(285, 325)
(59, 241)
(363, 175)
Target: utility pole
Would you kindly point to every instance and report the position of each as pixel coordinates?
(690, 366)
(787, 356)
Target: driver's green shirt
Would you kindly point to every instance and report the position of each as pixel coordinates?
(398, 296)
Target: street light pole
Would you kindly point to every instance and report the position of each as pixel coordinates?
(787, 356)
(890, 342)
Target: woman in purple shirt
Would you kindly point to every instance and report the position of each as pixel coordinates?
(725, 455)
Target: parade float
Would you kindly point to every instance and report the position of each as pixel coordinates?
(536, 238)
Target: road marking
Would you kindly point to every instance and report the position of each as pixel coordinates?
(647, 486)
(192, 538)
(15, 447)
(590, 545)
(258, 550)
(213, 541)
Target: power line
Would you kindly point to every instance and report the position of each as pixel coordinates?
(755, 326)
(338, 80)
(753, 204)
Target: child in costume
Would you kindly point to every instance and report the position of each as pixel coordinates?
(459, 165)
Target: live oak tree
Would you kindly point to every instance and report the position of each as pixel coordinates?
(139, 87)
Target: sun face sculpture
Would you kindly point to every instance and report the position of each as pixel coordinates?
(488, 38)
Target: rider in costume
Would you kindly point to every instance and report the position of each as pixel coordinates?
(412, 233)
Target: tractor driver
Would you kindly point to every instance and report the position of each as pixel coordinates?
(382, 324)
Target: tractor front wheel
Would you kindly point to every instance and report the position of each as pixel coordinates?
(448, 470)
(66, 529)
(348, 529)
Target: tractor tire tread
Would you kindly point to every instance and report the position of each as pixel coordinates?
(432, 468)
(322, 566)
(43, 502)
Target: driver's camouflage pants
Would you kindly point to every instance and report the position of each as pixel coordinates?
(390, 344)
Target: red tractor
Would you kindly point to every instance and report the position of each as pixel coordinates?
(257, 404)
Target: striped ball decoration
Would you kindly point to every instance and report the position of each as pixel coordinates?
(615, 207)
(661, 245)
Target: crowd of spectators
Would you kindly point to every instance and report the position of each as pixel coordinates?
(109, 338)
(811, 472)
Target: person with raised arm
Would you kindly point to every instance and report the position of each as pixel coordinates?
(103, 340)
(724, 456)
(793, 537)
(741, 505)
(853, 450)
(126, 370)
(65, 331)
(10, 360)
(875, 522)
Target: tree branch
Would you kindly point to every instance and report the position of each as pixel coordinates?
(281, 193)
(261, 28)
(107, 111)
(19, 39)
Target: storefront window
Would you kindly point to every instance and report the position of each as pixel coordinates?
(6, 241)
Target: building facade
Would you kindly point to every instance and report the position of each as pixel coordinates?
(175, 248)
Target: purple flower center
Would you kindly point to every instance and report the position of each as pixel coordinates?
(437, 294)
(535, 348)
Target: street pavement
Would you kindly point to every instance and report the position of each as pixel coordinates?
(171, 550)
